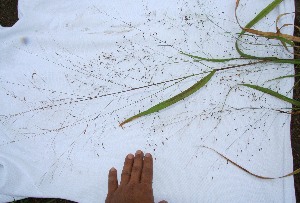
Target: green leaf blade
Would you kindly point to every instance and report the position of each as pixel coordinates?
(173, 99)
(263, 13)
(209, 59)
(255, 20)
(285, 76)
(273, 93)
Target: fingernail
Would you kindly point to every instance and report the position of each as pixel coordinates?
(130, 156)
(113, 169)
(138, 152)
(147, 155)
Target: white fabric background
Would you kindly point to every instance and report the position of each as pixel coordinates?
(59, 135)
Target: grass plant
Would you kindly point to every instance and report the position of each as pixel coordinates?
(286, 40)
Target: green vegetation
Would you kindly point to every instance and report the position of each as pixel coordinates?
(286, 40)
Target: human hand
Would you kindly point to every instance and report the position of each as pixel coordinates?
(136, 181)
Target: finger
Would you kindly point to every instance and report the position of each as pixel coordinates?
(137, 167)
(126, 172)
(147, 172)
(163, 201)
(112, 181)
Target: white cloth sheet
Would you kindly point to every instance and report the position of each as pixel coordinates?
(65, 67)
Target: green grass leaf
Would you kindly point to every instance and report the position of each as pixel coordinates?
(273, 93)
(284, 40)
(291, 61)
(263, 13)
(243, 55)
(255, 20)
(172, 100)
(282, 77)
(209, 59)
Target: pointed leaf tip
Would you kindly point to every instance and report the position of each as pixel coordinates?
(172, 100)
